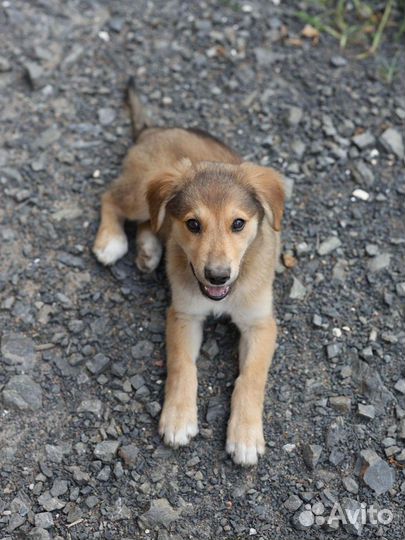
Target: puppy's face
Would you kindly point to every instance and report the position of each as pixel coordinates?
(216, 211)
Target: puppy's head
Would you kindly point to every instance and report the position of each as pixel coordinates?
(216, 211)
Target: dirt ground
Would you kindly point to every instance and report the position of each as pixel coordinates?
(82, 360)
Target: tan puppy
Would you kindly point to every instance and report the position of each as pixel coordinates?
(219, 218)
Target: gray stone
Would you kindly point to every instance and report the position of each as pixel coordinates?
(329, 245)
(378, 263)
(292, 503)
(153, 408)
(288, 187)
(94, 406)
(400, 386)
(338, 61)
(143, 349)
(106, 116)
(370, 384)
(119, 511)
(50, 503)
(311, 454)
(104, 474)
(335, 432)
(129, 454)
(295, 115)
(336, 456)
(363, 140)
(35, 75)
(341, 403)
(350, 485)
(44, 520)
(4, 65)
(372, 250)
(18, 350)
(400, 288)
(39, 534)
(22, 393)
(54, 453)
(366, 411)
(353, 523)
(402, 428)
(59, 487)
(298, 290)
(362, 173)
(137, 382)
(376, 472)
(106, 450)
(333, 350)
(392, 140)
(160, 513)
(98, 364)
(303, 520)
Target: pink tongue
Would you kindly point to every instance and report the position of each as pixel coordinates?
(216, 291)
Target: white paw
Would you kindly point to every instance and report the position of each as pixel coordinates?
(115, 248)
(245, 443)
(176, 427)
(149, 253)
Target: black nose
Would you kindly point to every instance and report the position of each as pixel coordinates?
(218, 275)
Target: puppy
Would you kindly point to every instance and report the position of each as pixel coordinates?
(219, 218)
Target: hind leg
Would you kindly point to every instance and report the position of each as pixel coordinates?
(149, 248)
(111, 242)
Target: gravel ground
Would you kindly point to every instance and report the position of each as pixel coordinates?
(82, 346)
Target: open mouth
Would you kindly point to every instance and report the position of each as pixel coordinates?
(213, 292)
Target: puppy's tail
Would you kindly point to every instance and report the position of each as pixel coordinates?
(139, 118)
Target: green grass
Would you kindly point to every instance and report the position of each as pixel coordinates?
(357, 23)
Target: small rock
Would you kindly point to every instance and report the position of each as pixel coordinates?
(329, 245)
(39, 534)
(366, 411)
(311, 454)
(303, 520)
(54, 453)
(129, 454)
(143, 349)
(106, 116)
(350, 485)
(160, 513)
(335, 432)
(338, 61)
(4, 65)
(400, 288)
(376, 472)
(392, 140)
(59, 487)
(119, 511)
(400, 386)
(380, 262)
(98, 364)
(333, 350)
(94, 406)
(362, 173)
(363, 140)
(298, 290)
(295, 115)
(18, 350)
(336, 457)
(35, 75)
(341, 403)
(106, 450)
(292, 503)
(22, 393)
(361, 194)
(50, 503)
(44, 520)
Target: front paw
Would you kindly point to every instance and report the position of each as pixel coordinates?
(178, 424)
(245, 441)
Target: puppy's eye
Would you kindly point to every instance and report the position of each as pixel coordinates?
(193, 226)
(238, 225)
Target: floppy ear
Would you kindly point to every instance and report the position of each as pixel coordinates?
(162, 189)
(268, 188)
